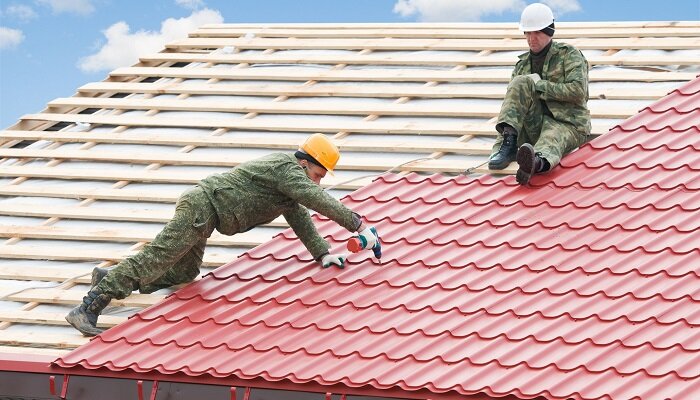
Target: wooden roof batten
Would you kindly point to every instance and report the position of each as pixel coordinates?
(241, 60)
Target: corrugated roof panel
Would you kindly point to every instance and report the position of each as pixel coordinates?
(656, 121)
(646, 140)
(584, 285)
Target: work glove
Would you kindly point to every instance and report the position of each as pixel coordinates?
(329, 260)
(368, 238)
(535, 77)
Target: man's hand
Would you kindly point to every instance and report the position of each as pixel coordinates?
(535, 77)
(329, 260)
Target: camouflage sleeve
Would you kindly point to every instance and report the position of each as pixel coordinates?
(298, 187)
(574, 86)
(514, 73)
(300, 221)
(517, 69)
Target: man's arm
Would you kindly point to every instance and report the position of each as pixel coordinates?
(298, 187)
(299, 219)
(574, 88)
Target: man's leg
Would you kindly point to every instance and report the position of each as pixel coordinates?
(521, 115)
(555, 140)
(193, 222)
(185, 270)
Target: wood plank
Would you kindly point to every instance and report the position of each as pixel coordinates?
(72, 297)
(368, 127)
(155, 196)
(381, 75)
(640, 92)
(39, 339)
(89, 213)
(450, 128)
(320, 107)
(52, 318)
(44, 274)
(436, 166)
(639, 43)
(452, 25)
(33, 350)
(232, 141)
(102, 175)
(407, 59)
(102, 214)
(211, 258)
(143, 158)
(250, 238)
(442, 33)
(142, 176)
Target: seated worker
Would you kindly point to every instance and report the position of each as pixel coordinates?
(251, 194)
(544, 114)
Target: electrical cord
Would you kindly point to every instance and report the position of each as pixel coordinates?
(470, 171)
(379, 174)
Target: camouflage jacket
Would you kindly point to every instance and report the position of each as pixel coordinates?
(258, 191)
(564, 84)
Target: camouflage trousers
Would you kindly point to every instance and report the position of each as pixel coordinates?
(173, 257)
(523, 110)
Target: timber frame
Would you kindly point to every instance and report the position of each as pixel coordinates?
(431, 91)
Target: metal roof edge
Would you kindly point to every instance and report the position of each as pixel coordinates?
(18, 362)
(261, 383)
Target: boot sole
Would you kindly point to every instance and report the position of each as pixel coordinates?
(526, 162)
(77, 320)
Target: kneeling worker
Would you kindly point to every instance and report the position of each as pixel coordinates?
(254, 193)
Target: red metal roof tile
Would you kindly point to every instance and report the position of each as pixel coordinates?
(656, 121)
(585, 285)
(647, 140)
(688, 88)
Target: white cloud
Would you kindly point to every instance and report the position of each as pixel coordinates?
(190, 4)
(21, 12)
(471, 10)
(10, 38)
(454, 10)
(123, 48)
(80, 7)
(561, 7)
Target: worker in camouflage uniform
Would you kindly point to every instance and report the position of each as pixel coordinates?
(544, 114)
(254, 193)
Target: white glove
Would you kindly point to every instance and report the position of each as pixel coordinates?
(333, 259)
(368, 238)
(535, 77)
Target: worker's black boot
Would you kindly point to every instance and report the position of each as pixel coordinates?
(84, 317)
(529, 164)
(97, 275)
(506, 153)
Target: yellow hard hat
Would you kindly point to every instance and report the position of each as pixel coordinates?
(322, 150)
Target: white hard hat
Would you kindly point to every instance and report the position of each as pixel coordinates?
(535, 17)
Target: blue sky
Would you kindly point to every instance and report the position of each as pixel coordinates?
(49, 48)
